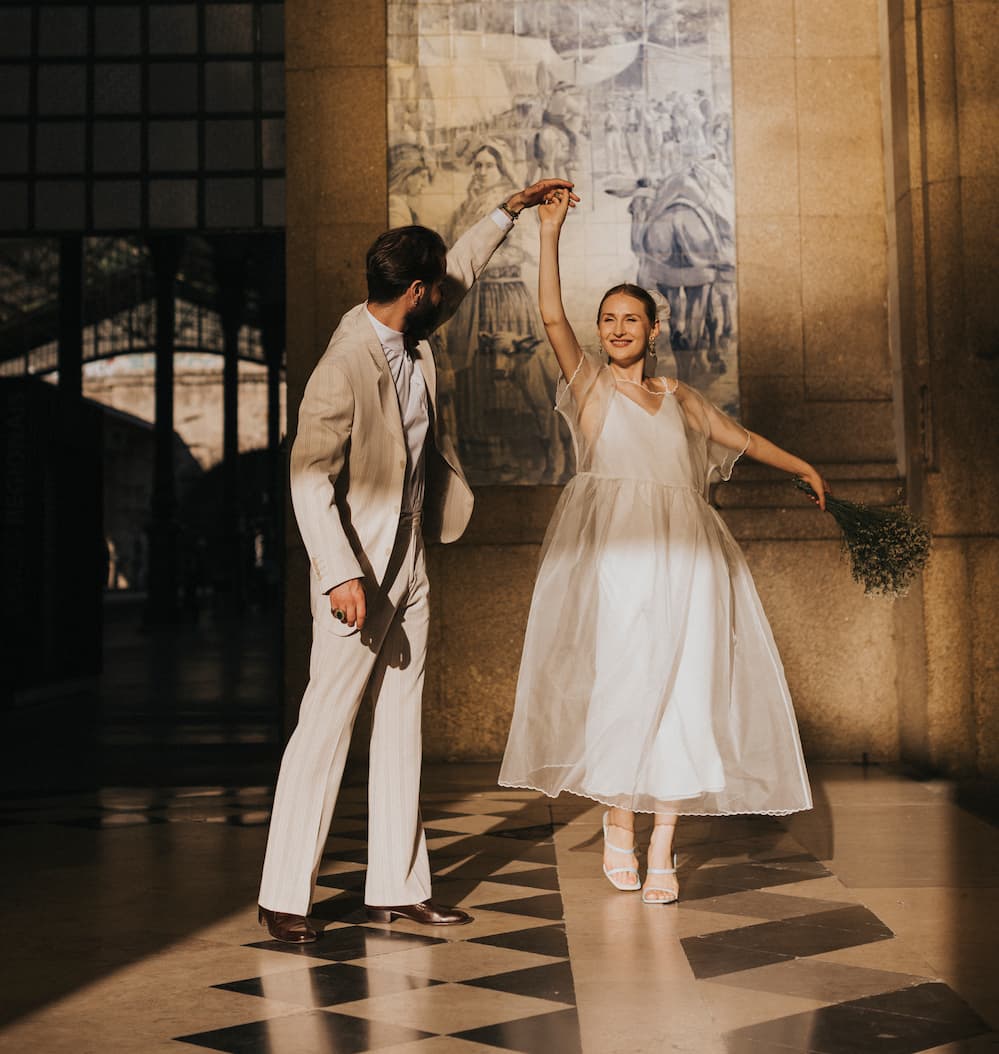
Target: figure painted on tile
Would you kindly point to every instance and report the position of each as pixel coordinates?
(373, 471)
(683, 234)
(649, 681)
(613, 142)
(408, 179)
(556, 145)
(505, 373)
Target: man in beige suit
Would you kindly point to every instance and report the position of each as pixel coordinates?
(372, 473)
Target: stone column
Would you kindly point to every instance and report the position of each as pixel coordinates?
(337, 204)
(943, 209)
(166, 253)
(272, 329)
(71, 316)
(231, 275)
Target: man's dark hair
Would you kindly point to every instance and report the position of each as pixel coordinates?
(400, 257)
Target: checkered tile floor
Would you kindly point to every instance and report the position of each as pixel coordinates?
(503, 983)
(759, 919)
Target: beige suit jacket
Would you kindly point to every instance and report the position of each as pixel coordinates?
(348, 461)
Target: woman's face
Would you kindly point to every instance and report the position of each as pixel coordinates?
(485, 171)
(417, 183)
(624, 329)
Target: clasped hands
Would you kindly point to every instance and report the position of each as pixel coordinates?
(541, 192)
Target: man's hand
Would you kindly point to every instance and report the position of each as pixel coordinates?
(348, 603)
(537, 192)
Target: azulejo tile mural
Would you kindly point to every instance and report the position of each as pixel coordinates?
(632, 100)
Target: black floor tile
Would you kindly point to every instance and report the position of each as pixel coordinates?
(342, 943)
(854, 918)
(546, 906)
(317, 1032)
(431, 813)
(798, 862)
(858, 1027)
(714, 881)
(327, 985)
(541, 832)
(761, 904)
(556, 1033)
(541, 940)
(349, 811)
(933, 1001)
(713, 958)
(552, 981)
(346, 906)
(538, 878)
(352, 880)
(349, 855)
(791, 938)
(506, 849)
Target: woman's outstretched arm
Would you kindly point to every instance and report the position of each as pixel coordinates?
(761, 449)
(722, 429)
(560, 334)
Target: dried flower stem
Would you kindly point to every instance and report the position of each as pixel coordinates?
(888, 546)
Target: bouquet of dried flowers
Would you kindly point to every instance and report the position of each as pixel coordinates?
(888, 547)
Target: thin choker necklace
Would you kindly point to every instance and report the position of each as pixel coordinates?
(671, 386)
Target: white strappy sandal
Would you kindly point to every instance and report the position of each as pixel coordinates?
(610, 872)
(672, 895)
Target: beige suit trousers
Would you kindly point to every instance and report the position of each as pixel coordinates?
(388, 657)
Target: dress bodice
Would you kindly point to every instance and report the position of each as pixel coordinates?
(688, 442)
(636, 444)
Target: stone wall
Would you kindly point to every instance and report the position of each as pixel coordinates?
(943, 221)
(823, 296)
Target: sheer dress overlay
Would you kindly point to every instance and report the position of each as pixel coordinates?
(650, 679)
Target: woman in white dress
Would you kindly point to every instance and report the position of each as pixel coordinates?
(650, 680)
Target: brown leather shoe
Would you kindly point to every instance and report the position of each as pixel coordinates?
(427, 913)
(292, 929)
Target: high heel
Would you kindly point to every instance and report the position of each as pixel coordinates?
(672, 895)
(610, 872)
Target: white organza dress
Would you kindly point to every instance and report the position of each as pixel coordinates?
(650, 679)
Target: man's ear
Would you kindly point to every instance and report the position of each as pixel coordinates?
(417, 291)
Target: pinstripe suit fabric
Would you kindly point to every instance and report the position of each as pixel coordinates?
(348, 467)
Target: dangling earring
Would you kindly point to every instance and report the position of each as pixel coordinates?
(652, 354)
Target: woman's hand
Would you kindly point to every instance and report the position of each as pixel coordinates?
(817, 483)
(555, 206)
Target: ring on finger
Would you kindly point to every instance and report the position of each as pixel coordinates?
(340, 615)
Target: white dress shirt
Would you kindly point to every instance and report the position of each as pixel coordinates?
(414, 409)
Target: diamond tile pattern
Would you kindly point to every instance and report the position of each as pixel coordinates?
(360, 981)
(903, 1022)
(364, 986)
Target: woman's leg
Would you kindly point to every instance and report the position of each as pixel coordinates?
(661, 888)
(620, 832)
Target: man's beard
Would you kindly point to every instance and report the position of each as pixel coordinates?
(422, 320)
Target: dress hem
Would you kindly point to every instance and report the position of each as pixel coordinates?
(651, 812)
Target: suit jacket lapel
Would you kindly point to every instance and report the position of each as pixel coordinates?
(425, 359)
(387, 395)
